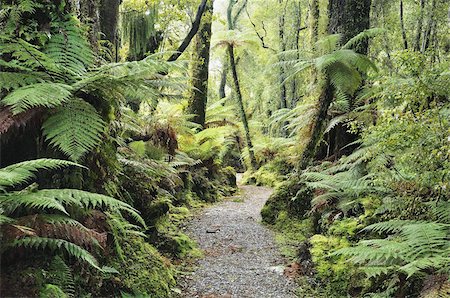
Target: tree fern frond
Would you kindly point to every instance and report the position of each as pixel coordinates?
(57, 244)
(362, 36)
(75, 128)
(13, 80)
(34, 200)
(37, 95)
(22, 172)
(68, 48)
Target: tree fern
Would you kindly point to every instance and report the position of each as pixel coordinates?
(413, 247)
(53, 219)
(57, 244)
(47, 95)
(61, 275)
(19, 173)
(69, 49)
(75, 128)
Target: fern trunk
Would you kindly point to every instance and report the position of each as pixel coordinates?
(317, 127)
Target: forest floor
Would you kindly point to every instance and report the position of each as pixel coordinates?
(241, 258)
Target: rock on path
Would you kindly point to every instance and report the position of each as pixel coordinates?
(241, 258)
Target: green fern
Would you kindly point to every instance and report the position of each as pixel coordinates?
(47, 95)
(19, 173)
(69, 49)
(57, 244)
(414, 246)
(61, 275)
(75, 128)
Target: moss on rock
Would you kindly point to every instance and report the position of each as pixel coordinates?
(143, 270)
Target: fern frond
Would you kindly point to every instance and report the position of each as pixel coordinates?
(33, 200)
(61, 276)
(69, 49)
(362, 36)
(75, 128)
(57, 244)
(23, 172)
(47, 95)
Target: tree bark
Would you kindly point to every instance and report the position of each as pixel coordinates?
(109, 15)
(253, 162)
(316, 128)
(349, 18)
(314, 15)
(402, 24)
(282, 41)
(200, 67)
(297, 28)
(191, 33)
(223, 81)
(419, 26)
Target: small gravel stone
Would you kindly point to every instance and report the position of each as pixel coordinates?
(240, 253)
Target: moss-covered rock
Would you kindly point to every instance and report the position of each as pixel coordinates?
(143, 270)
(292, 196)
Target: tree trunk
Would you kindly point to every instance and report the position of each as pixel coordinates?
(109, 15)
(419, 26)
(89, 15)
(349, 18)
(402, 24)
(200, 67)
(430, 25)
(297, 28)
(223, 81)
(253, 162)
(316, 128)
(282, 75)
(314, 15)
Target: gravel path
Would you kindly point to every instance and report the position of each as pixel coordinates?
(241, 258)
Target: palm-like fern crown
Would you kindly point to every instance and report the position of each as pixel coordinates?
(56, 75)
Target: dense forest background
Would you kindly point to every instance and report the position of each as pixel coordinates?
(119, 117)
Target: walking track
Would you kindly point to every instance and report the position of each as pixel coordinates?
(241, 257)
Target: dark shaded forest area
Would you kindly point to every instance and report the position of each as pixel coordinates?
(121, 120)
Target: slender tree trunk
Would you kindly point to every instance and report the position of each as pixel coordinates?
(402, 24)
(200, 67)
(223, 81)
(430, 25)
(419, 26)
(314, 15)
(297, 28)
(282, 75)
(253, 162)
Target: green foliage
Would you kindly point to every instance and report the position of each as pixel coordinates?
(411, 248)
(75, 128)
(57, 206)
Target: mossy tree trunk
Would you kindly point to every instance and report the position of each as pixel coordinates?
(244, 119)
(199, 68)
(232, 19)
(348, 18)
(109, 15)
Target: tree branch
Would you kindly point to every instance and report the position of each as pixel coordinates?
(195, 26)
